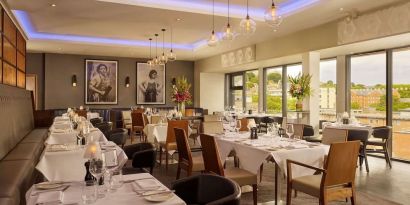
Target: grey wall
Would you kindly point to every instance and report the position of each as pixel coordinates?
(58, 69)
(35, 65)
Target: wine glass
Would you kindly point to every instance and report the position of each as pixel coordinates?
(238, 125)
(289, 130)
(97, 169)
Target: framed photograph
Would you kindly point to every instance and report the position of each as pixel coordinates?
(150, 84)
(101, 82)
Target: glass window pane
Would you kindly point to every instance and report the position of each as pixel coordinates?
(237, 80)
(401, 104)
(251, 90)
(327, 90)
(237, 99)
(274, 91)
(368, 89)
(292, 70)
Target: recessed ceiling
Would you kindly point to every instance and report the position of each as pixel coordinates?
(122, 27)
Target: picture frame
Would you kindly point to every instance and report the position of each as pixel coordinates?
(101, 82)
(150, 84)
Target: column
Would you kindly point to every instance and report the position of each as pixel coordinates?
(311, 65)
(341, 92)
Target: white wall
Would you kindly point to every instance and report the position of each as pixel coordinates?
(212, 91)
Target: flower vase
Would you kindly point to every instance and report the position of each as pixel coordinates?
(299, 105)
(181, 108)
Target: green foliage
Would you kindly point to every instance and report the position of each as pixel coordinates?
(356, 106)
(274, 103)
(291, 103)
(274, 77)
(328, 84)
(251, 80)
(397, 105)
(403, 89)
(358, 86)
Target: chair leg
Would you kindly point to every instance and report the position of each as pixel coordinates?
(166, 159)
(160, 155)
(365, 161)
(260, 173)
(151, 170)
(353, 197)
(289, 195)
(386, 155)
(255, 194)
(178, 171)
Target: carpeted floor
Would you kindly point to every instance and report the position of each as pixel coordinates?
(266, 189)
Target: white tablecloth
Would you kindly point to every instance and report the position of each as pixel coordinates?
(68, 165)
(158, 132)
(70, 137)
(252, 153)
(349, 127)
(124, 195)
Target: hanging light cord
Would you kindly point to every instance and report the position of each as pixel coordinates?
(213, 16)
(156, 45)
(228, 13)
(150, 53)
(163, 40)
(171, 38)
(247, 8)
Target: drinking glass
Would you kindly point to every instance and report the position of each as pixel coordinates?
(89, 192)
(116, 180)
(289, 130)
(97, 169)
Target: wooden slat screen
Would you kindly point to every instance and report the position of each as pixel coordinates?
(9, 74)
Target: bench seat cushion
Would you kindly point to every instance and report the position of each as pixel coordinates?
(36, 135)
(9, 201)
(26, 151)
(15, 178)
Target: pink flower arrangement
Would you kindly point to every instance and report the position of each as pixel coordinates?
(180, 91)
(300, 86)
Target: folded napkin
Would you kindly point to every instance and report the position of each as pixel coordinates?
(60, 147)
(141, 186)
(50, 197)
(297, 146)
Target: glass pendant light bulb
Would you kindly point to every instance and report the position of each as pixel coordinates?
(171, 54)
(228, 33)
(150, 62)
(213, 39)
(156, 59)
(247, 25)
(271, 16)
(163, 58)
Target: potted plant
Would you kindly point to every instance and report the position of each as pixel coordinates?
(180, 93)
(300, 88)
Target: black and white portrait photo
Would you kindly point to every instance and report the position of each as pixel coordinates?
(150, 84)
(101, 82)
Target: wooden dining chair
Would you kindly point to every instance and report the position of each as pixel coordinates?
(82, 113)
(138, 124)
(336, 180)
(186, 161)
(298, 131)
(155, 119)
(189, 112)
(243, 124)
(170, 142)
(380, 142)
(212, 127)
(334, 135)
(208, 118)
(126, 119)
(213, 165)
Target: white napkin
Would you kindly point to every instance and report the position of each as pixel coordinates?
(298, 146)
(147, 183)
(58, 130)
(50, 197)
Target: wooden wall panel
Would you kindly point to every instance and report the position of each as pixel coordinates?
(21, 44)
(9, 52)
(9, 74)
(21, 62)
(21, 79)
(9, 29)
(1, 71)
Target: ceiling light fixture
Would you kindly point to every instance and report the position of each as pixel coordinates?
(150, 62)
(213, 39)
(228, 34)
(163, 59)
(171, 54)
(53, 5)
(247, 25)
(156, 59)
(271, 16)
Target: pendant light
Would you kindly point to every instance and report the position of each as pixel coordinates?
(171, 54)
(228, 33)
(247, 25)
(163, 59)
(271, 16)
(213, 39)
(156, 59)
(150, 62)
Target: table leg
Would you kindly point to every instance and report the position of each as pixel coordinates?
(276, 184)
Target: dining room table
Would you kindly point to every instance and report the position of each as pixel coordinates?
(252, 153)
(138, 189)
(350, 126)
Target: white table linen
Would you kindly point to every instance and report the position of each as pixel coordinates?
(124, 195)
(349, 127)
(158, 132)
(252, 153)
(70, 137)
(68, 165)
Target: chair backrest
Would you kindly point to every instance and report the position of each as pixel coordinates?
(208, 118)
(137, 119)
(210, 154)
(278, 120)
(189, 112)
(212, 127)
(298, 130)
(142, 154)
(118, 136)
(155, 119)
(183, 124)
(341, 163)
(308, 130)
(383, 132)
(267, 120)
(82, 113)
(359, 134)
(104, 127)
(95, 121)
(139, 110)
(334, 135)
(243, 124)
(184, 151)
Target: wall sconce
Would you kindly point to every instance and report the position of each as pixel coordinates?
(127, 82)
(74, 80)
(174, 81)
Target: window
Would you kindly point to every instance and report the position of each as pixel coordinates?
(401, 104)
(368, 88)
(236, 91)
(252, 90)
(273, 91)
(327, 91)
(292, 70)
